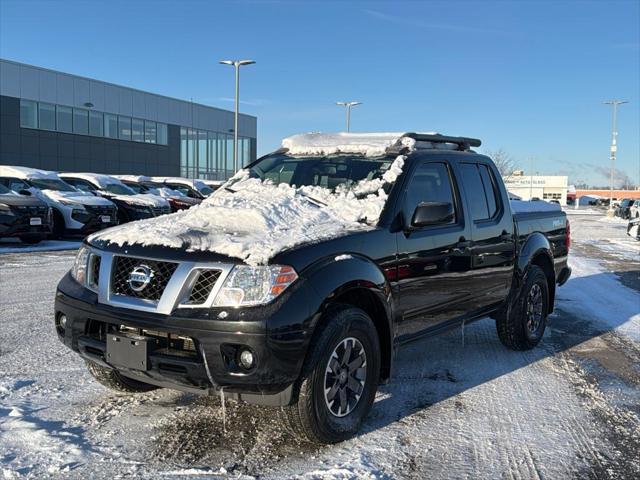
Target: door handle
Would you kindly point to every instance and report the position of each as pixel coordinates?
(463, 243)
(506, 237)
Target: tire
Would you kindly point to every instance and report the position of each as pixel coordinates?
(521, 326)
(114, 380)
(31, 239)
(314, 416)
(58, 225)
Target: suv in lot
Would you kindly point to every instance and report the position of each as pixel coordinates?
(24, 216)
(296, 283)
(197, 189)
(74, 212)
(131, 205)
(142, 184)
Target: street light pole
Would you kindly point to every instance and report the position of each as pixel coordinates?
(348, 106)
(236, 64)
(614, 144)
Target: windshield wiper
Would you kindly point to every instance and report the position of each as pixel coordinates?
(319, 203)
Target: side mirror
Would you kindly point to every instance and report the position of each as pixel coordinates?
(432, 213)
(25, 192)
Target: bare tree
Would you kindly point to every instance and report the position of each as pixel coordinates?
(504, 162)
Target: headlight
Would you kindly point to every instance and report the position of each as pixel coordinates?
(79, 269)
(247, 285)
(5, 209)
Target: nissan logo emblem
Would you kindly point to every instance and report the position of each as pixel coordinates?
(140, 277)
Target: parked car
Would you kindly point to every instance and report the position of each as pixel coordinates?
(131, 205)
(622, 210)
(74, 212)
(141, 184)
(634, 209)
(295, 284)
(24, 216)
(191, 188)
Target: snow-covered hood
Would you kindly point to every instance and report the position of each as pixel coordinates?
(256, 220)
(143, 199)
(81, 198)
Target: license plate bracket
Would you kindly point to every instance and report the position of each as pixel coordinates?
(128, 351)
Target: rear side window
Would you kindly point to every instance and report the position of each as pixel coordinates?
(474, 191)
(14, 184)
(430, 182)
(480, 189)
(489, 189)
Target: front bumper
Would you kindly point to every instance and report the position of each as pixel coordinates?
(15, 226)
(207, 368)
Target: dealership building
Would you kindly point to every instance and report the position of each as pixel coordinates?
(57, 121)
(548, 187)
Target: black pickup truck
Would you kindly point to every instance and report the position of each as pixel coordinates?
(313, 326)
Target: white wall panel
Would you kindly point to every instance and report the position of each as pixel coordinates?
(9, 79)
(29, 84)
(48, 86)
(64, 89)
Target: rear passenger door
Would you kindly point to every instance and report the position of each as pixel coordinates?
(492, 235)
(433, 261)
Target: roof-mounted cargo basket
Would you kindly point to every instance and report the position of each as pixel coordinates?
(463, 143)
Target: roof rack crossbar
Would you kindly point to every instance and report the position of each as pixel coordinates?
(463, 143)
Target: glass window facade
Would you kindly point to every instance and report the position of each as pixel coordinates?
(28, 114)
(96, 124)
(137, 130)
(124, 128)
(80, 121)
(150, 131)
(46, 116)
(64, 119)
(209, 155)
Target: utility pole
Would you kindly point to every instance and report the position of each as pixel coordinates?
(614, 146)
(348, 106)
(237, 64)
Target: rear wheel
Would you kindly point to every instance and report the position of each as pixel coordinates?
(521, 326)
(340, 378)
(114, 380)
(31, 239)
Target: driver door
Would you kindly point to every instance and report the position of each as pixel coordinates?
(433, 261)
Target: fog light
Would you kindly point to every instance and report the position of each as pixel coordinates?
(246, 359)
(61, 323)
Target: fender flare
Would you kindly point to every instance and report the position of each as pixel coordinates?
(339, 276)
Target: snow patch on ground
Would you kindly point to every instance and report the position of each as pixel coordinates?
(254, 220)
(15, 246)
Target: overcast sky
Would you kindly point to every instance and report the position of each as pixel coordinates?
(528, 77)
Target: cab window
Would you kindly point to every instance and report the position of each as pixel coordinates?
(431, 182)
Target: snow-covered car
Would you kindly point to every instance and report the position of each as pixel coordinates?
(143, 184)
(295, 283)
(191, 188)
(24, 216)
(634, 210)
(131, 205)
(74, 212)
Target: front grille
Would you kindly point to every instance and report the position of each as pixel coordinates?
(160, 275)
(157, 211)
(32, 211)
(203, 286)
(101, 209)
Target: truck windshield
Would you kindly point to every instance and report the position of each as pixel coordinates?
(51, 184)
(328, 172)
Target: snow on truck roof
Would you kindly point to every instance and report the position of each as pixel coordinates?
(369, 144)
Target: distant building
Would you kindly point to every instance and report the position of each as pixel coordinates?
(536, 186)
(57, 121)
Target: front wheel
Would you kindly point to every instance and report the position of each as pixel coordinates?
(522, 326)
(339, 379)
